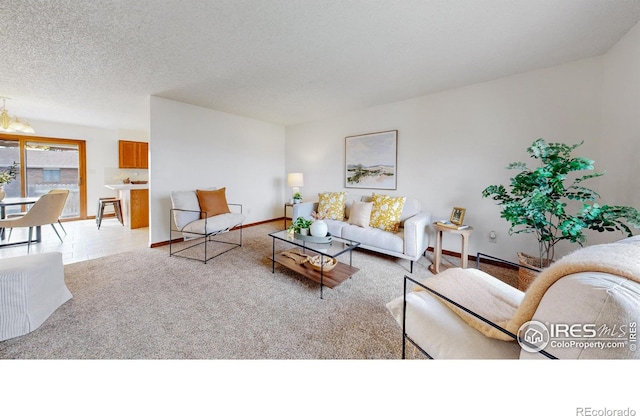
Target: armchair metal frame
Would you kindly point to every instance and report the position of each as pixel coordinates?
(406, 338)
(206, 237)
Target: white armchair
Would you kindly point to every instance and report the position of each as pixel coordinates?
(585, 306)
(191, 221)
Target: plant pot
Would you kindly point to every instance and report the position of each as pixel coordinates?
(525, 275)
(304, 231)
(2, 193)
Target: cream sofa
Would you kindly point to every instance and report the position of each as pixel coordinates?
(592, 294)
(410, 242)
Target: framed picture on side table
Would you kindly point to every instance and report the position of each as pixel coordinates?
(457, 215)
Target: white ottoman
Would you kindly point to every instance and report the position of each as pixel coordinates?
(31, 288)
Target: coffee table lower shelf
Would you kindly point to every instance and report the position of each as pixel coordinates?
(330, 279)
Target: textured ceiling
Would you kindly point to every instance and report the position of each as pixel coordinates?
(285, 61)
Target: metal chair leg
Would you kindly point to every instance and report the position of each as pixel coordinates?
(99, 216)
(60, 224)
(58, 234)
(29, 240)
(118, 209)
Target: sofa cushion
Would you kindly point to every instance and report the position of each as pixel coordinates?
(188, 201)
(360, 214)
(214, 224)
(212, 202)
(355, 198)
(331, 205)
(375, 237)
(443, 334)
(335, 227)
(411, 207)
(348, 205)
(386, 212)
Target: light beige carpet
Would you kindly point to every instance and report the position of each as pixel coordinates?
(147, 305)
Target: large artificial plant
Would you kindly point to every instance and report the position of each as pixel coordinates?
(538, 200)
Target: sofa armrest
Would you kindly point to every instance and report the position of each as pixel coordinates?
(416, 234)
(303, 209)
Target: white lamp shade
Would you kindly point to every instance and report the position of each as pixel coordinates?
(295, 179)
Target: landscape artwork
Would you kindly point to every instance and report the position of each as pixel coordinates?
(370, 160)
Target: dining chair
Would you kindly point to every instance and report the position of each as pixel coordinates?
(46, 210)
(66, 192)
(53, 191)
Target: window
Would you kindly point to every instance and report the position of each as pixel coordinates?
(46, 164)
(51, 175)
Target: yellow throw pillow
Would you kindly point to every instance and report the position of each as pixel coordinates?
(212, 202)
(386, 212)
(331, 205)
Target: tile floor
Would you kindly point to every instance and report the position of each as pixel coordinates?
(83, 240)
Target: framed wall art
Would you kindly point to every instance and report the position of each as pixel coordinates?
(370, 160)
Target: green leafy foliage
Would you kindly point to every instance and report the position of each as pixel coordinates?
(300, 223)
(537, 199)
(8, 175)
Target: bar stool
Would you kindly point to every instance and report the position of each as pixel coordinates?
(117, 208)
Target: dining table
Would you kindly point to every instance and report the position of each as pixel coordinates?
(11, 202)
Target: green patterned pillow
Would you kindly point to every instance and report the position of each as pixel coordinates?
(386, 212)
(331, 205)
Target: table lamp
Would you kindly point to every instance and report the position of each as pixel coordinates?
(295, 180)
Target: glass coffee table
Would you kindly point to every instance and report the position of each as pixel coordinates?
(293, 258)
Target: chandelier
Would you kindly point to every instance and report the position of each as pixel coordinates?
(12, 124)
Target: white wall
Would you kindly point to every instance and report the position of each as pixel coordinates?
(194, 148)
(620, 146)
(453, 144)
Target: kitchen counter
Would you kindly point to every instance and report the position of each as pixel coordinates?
(134, 200)
(127, 186)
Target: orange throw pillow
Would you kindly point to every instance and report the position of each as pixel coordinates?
(212, 202)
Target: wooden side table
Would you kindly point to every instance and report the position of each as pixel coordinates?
(437, 252)
(286, 205)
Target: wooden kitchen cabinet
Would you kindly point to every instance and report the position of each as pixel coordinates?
(139, 206)
(133, 155)
(134, 200)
